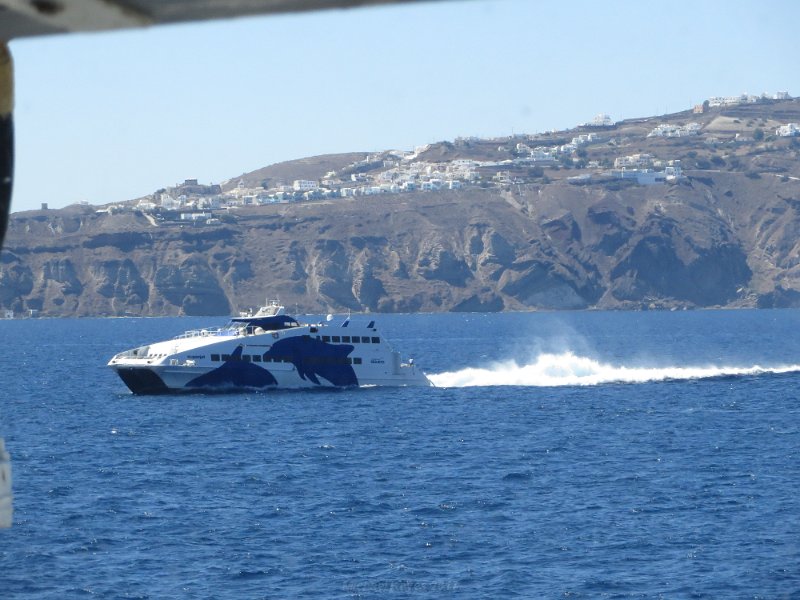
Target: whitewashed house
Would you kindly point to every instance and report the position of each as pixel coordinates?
(601, 120)
(788, 130)
(170, 203)
(146, 206)
(542, 154)
(633, 161)
(304, 185)
(195, 216)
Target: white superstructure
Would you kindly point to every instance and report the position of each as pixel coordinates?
(267, 350)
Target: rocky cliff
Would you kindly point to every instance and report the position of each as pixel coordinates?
(726, 234)
(723, 239)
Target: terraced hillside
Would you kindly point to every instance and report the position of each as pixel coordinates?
(569, 235)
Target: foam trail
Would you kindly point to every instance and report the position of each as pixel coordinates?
(549, 370)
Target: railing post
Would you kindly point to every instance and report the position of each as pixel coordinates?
(6, 509)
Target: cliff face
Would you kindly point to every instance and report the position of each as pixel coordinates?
(721, 240)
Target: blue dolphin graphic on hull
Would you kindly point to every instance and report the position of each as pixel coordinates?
(314, 359)
(235, 373)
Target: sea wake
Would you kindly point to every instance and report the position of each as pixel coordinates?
(567, 369)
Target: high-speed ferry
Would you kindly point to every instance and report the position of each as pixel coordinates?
(268, 349)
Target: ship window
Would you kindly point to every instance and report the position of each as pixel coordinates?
(215, 357)
(245, 357)
(326, 338)
(335, 339)
(357, 360)
(267, 358)
(256, 358)
(327, 360)
(365, 340)
(376, 340)
(313, 330)
(346, 339)
(226, 357)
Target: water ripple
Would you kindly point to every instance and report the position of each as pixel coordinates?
(686, 488)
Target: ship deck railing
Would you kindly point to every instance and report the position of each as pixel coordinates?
(234, 331)
(207, 332)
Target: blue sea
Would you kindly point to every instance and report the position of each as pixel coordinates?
(562, 455)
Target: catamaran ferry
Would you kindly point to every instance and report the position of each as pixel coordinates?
(267, 349)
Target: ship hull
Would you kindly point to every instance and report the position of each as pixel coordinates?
(156, 380)
(248, 358)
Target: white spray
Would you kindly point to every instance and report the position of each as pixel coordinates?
(549, 370)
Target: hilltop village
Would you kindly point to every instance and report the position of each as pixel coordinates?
(596, 152)
(694, 209)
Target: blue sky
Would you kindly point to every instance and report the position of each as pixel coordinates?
(114, 116)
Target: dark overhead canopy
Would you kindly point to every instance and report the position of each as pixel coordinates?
(23, 18)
